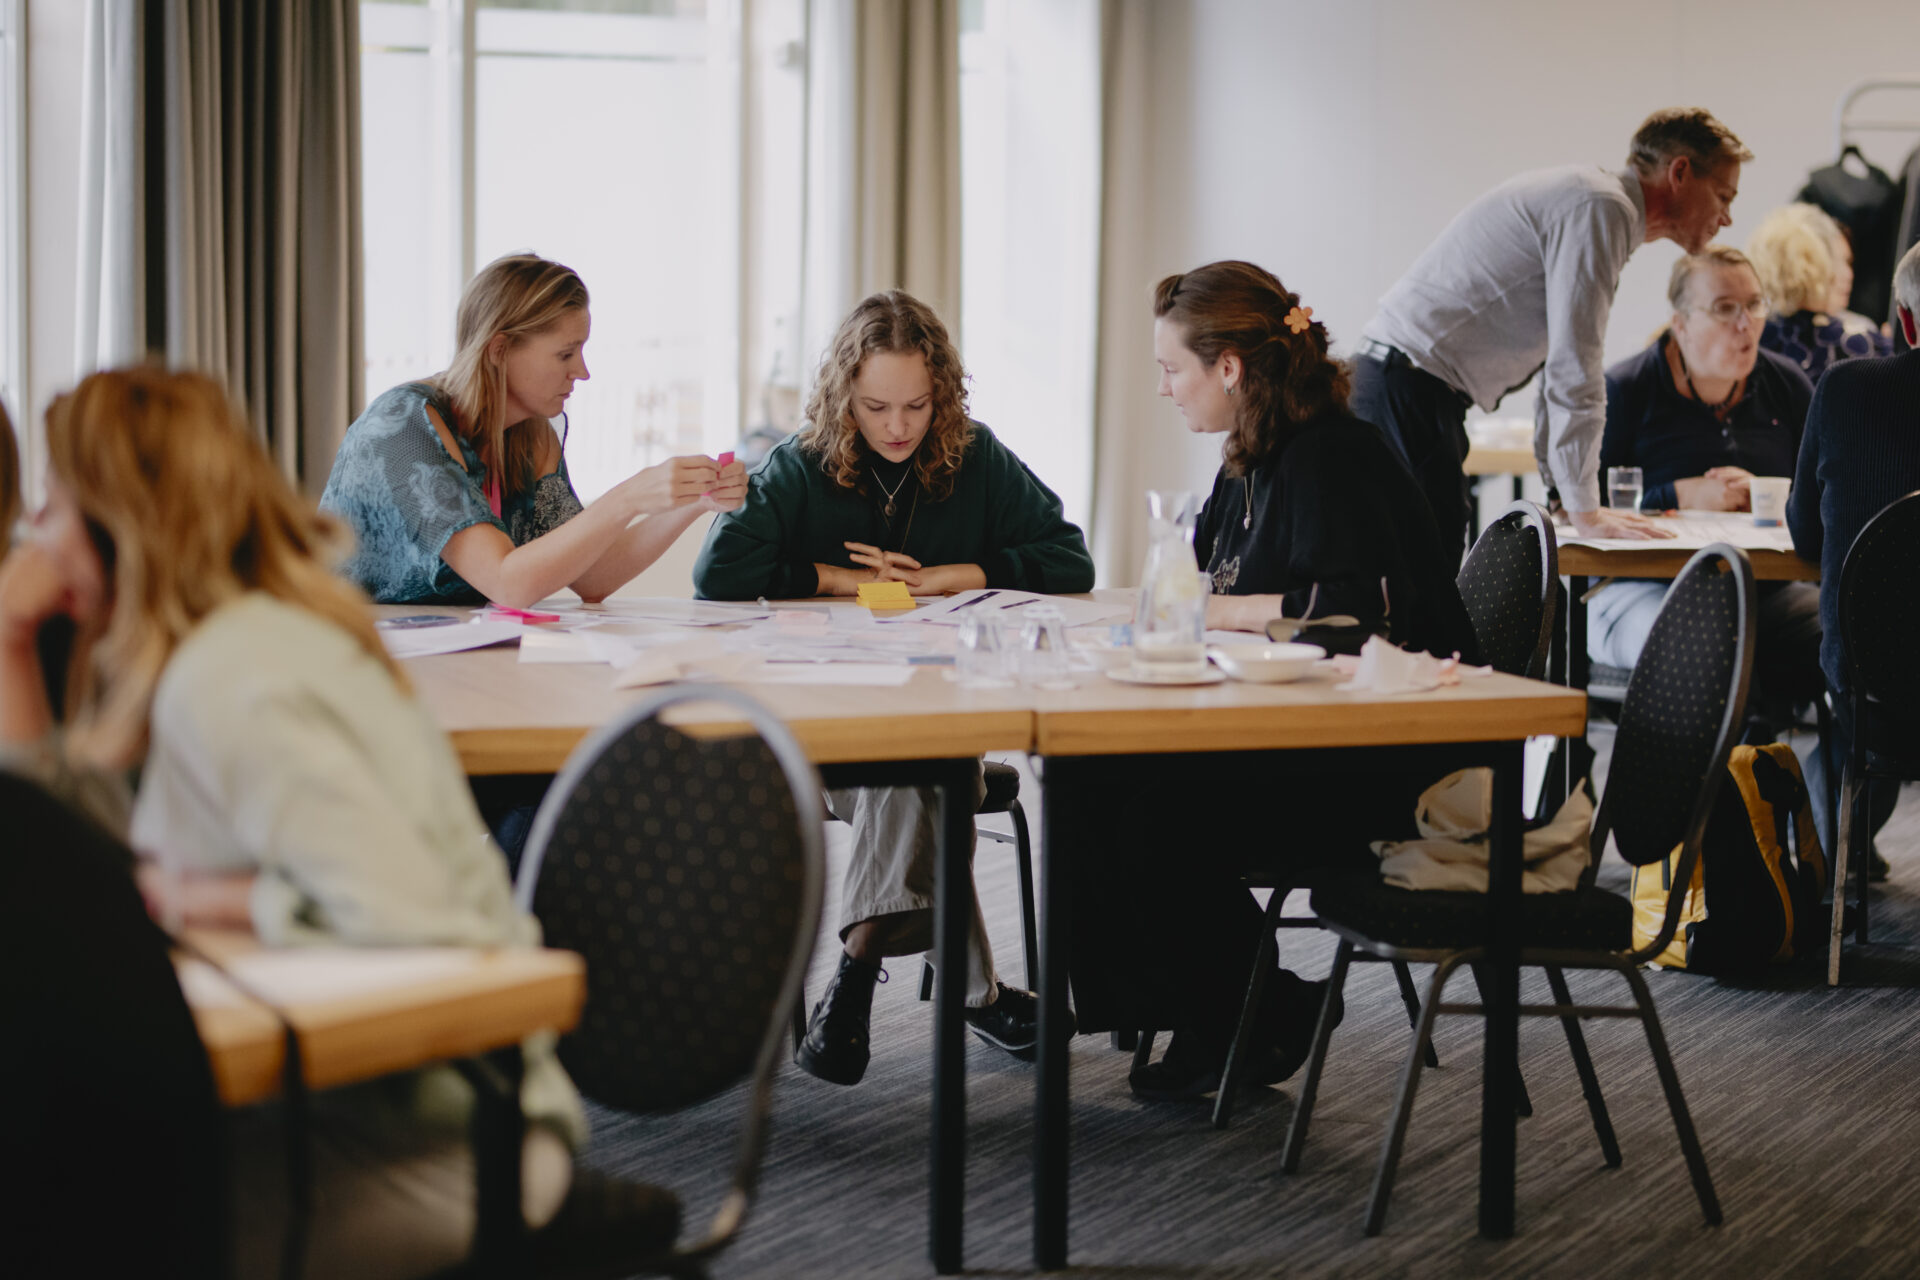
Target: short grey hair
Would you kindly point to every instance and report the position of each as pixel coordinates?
(1692, 132)
(1906, 281)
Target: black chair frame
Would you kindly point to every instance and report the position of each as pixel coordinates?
(804, 782)
(1718, 557)
(1877, 614)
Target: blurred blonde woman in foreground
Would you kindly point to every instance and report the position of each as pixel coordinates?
(289, 784)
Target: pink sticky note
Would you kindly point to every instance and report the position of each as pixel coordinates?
(522, 614)
(724, 459)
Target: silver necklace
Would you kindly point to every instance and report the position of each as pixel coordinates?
(893, 492)
(1246, 521)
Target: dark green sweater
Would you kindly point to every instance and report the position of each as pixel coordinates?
(999, 516)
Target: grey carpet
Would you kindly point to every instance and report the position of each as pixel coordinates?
(1804, 1098)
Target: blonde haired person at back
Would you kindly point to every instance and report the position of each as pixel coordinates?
(1805, 266)
(891, 480)
(456, 486)
(289, 785)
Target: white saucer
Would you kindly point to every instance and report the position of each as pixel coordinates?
(1133, 675)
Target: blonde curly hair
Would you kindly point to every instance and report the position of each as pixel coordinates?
(1796, 252)
(893, 322)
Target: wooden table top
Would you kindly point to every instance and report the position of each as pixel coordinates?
(1482, 461)
(363, 1013)
(1103, 717)
(1666, 562)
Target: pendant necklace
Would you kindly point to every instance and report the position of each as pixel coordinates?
(1246, 521)
(893, 492)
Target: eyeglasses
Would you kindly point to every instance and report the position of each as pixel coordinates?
(1727, 311)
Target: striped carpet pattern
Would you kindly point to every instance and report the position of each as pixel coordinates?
(1804, 1097)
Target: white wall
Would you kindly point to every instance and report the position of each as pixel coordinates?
(1330, 143)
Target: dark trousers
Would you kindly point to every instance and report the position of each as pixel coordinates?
(1877, 795)
(1425, 421)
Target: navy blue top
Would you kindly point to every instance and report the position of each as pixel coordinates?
(1652, 426)
(1814, 339)
(1861, 452)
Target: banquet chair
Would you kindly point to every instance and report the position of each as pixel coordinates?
(1879, 616)
(689, 872)
(1683, 711)
(116, 1137)
(1508, 583)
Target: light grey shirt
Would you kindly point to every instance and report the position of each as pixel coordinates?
(1523, 279)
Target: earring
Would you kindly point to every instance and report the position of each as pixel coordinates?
(1231, 388)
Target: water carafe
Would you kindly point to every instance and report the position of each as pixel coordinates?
(1170, 617)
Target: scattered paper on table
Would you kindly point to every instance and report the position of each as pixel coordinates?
(1009, 605)
(651, 668)
(428, 641)
(686, 613)
(874, 675)
(557, 646)
(1691, 531)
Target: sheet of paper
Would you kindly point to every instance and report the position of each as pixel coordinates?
(1693, 530)
(872, 675)
(428, 641)
(558, 646)
(686, 613)
(1008, 604)
(302, 975)
(647, 669)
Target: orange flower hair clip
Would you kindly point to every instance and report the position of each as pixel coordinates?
(1299, 319)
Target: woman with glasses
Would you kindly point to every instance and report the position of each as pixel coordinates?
(1702, 412)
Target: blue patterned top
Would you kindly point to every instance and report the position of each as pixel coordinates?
(1815, 339)
(404, 495)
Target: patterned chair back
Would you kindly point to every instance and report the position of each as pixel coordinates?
(1508, 584)
(688, 872)
(1880, 610)
(1684, 707)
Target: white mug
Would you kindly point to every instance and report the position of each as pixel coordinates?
(1769, 499)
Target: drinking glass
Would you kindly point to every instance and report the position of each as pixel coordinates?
(981, 657)
(1044, 660)
(1623, 488)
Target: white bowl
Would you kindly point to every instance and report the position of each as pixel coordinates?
(1266, 663)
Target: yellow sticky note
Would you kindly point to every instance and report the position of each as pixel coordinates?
(885, 595)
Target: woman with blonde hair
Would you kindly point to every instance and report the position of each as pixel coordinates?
(289, 784)
(890, 480)
(457, 488)
(1805, 265)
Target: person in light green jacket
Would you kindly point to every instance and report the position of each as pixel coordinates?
(289, 785)
(891, 481)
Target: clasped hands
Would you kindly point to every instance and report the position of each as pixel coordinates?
(876, 565)
(1720, 489)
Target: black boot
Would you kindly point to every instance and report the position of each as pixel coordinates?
(835, 1046)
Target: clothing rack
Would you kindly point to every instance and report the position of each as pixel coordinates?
(1846, 127)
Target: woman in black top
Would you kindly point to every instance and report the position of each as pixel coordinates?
(1312, 514)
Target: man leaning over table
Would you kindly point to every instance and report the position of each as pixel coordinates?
(1521, 282)
(1861, 451)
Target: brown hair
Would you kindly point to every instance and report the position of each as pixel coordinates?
(1289, 378)
(9, 480)
(1683, 131)
(520, 295)
(189, 513)
(1714, 255)
(895, 322)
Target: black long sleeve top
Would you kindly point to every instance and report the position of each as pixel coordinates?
(1333, 521)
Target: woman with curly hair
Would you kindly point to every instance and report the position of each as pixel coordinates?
(1312, 513)
(889, 480)
(1805, 266)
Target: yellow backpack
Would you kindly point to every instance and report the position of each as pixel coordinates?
(1752, 901)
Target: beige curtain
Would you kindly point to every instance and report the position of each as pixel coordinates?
(883, 159)
(262, 213)
(1135, 448)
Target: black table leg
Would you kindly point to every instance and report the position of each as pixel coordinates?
(953, 905)
(1502, 996)
(1058, 779)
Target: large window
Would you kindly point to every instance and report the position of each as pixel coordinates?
(1030, 231)
(610, 135)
